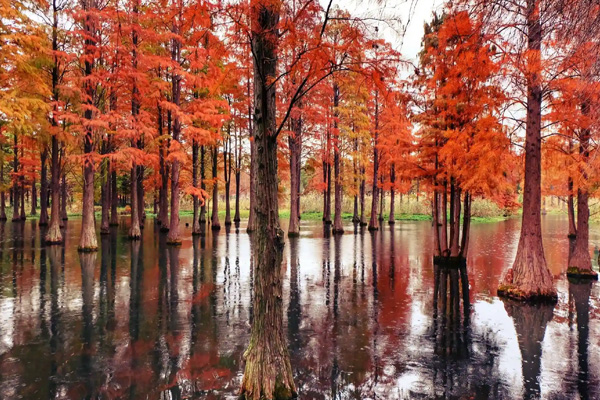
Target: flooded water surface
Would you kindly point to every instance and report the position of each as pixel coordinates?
(143, 320)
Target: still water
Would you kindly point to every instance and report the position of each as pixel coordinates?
(147, 321)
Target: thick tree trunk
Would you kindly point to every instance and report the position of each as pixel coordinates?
(529, 276)
(140, 194)
(43, 188)
(22, 193)
(135, 232)
(88, 241)
(215, 225)
(54, 235)
(195, 200)
(455, 223)
(268, 372)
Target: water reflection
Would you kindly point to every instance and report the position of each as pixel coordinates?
(145, 320)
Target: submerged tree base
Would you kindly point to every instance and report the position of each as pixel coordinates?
(515, 293)
(582, 273)
(86, 249)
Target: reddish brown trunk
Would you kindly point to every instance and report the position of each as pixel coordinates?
(173, 237)
(2, 194)
(436, 224)
(392, 217)
(43, 188)
(363, 184)
(444, 227)
(214, 217)
(580, 261)
(338, 227)
(64, 198)
(295, 145)
(529, 276)
(464, 246)
(114, 199)
(54, 235)
(195, 200)
(268, 372)
(227, 175)
(105, 197)
(202, 184)
(373, 223)
(571, 210)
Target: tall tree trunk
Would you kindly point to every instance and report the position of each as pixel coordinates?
(381, 201)
(464, 246)
(444, 227)
(295, 145)
(252, 217)
(580, 262)
(571, 209)
(105, 196)
(436, 223)
(2, 193)
(134, 231)
(64, 197)
(338, 228)
(373, 223)
(363, 189)
(195, 200)
(43, 188)
(214, 217)
(140, 192)
(392, 217)
(54, 235)
(202, 183)
(355, 215)
(33, 198)
(268, 372)
(227, 175)
(529, 276)
(114, 199)
(173, 237)
(455, 223)
(15, 191)
(88, 241)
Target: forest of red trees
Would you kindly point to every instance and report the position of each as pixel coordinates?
(163, 106)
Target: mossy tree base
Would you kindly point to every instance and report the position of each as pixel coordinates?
(581, 273)
(87, 249)
(514, 293)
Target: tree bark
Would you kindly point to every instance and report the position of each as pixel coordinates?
(215, 225)
(33, 198)
(338, 227)
(105, 196)
(295, 145)
(571, 209)
(373, 223)
(580, 262)
(54, 235)
(268, 372)
(3, 192)
(195, 200)
(529, 276)
(173, 237)
(114, 199)
(227, 175)
(202, 184)
(43, 188)
(464, 247)
(16, 194)
(64, 196)
(392, 217)
(363, 184)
